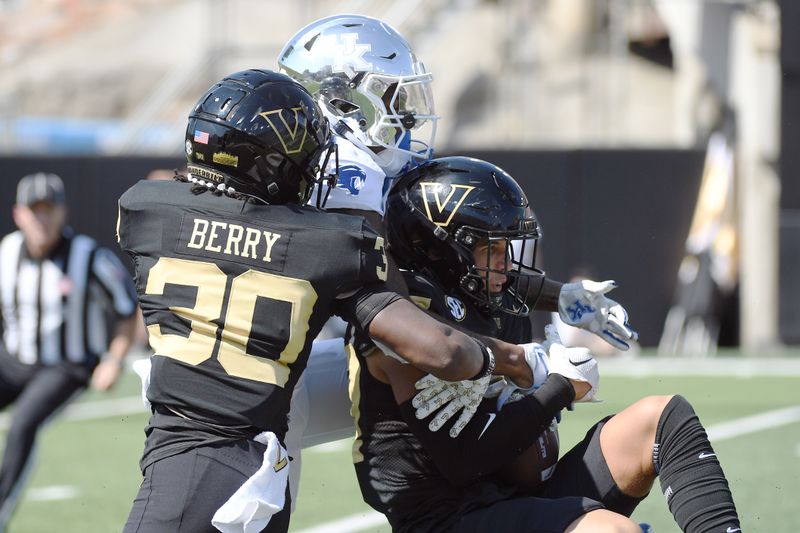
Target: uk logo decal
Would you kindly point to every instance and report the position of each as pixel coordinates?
(351, 179)
(456, 307)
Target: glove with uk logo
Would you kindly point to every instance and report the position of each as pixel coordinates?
(584, 305)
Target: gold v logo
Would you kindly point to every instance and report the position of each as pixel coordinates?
(441, 205)
(281, 463)
(287, 130)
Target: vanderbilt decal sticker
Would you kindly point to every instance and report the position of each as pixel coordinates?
(441, 204)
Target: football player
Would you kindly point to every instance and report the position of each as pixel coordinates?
(233, 292)
(377, 96)
(451, 223)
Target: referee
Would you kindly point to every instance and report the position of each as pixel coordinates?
(56, 290)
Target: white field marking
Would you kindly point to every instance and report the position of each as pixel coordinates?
(356, 522)
(751, 424)
(51, 493)
(722, 366)
(716, 433)
(331, 447)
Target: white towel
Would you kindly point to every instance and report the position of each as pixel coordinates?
(251, 507)
(142, 369)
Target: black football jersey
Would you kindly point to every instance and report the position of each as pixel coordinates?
(233, 294)
(396, 472)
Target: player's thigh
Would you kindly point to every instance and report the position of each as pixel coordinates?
(603, 521)
(583, 471)
(526, 515)
(180, 494)
(47, 391)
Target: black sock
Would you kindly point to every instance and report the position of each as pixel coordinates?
(690, 475)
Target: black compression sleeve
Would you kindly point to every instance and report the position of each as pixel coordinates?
(691, 477)
(491, 439)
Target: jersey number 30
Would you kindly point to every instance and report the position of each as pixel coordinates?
(239, 324)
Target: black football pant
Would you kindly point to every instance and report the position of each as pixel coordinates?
(37, 392)
(180, 493)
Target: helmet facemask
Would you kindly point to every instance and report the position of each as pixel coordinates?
(401, 119)
(523, 281)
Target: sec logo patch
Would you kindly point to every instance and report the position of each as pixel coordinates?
(456, 307)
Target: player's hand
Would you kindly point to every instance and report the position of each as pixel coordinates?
(584, 305)
(452, 397)
(106, 373)
(575, 364)
(536, 358)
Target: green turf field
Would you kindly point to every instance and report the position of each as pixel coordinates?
(86, 473)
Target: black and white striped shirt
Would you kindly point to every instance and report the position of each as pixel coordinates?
(54, 310)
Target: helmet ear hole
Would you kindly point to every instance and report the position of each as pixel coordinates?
(343, 106)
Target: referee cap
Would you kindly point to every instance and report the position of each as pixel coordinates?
(40, 187)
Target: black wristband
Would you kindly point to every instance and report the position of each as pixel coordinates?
(488, 361)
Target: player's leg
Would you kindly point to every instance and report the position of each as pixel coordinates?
(46, 391)
(523, 515)
(603, 521)
(627, 442)
(663, 435)
(617, 461)
(181, 493)
(690, 475)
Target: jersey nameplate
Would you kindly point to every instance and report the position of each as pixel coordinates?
(231, 240)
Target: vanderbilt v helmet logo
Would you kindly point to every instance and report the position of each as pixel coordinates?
(441, 205)
(286, 123)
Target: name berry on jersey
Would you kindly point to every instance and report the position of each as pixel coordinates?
(255, 244)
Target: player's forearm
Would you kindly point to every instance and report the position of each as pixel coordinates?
(548, 300)
(509, 361)
(431, 346)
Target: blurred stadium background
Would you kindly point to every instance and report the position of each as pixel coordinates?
(656, 139)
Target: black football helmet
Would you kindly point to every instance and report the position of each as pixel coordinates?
(261, 133)
(438, 213)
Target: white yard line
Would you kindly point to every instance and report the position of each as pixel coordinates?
(700, 366)
(751, 424)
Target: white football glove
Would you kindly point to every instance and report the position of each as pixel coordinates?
(455, 396)
(584, 305)
(576, 364)
(536, 357)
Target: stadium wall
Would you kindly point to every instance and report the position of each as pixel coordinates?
(622, 214)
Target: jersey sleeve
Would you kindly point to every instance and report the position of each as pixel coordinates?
(372, 295)
(374, 266)
(491, 439)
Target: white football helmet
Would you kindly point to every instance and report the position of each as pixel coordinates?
(365, 74)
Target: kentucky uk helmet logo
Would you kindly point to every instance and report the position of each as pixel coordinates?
(286, 123)
(441, 204)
